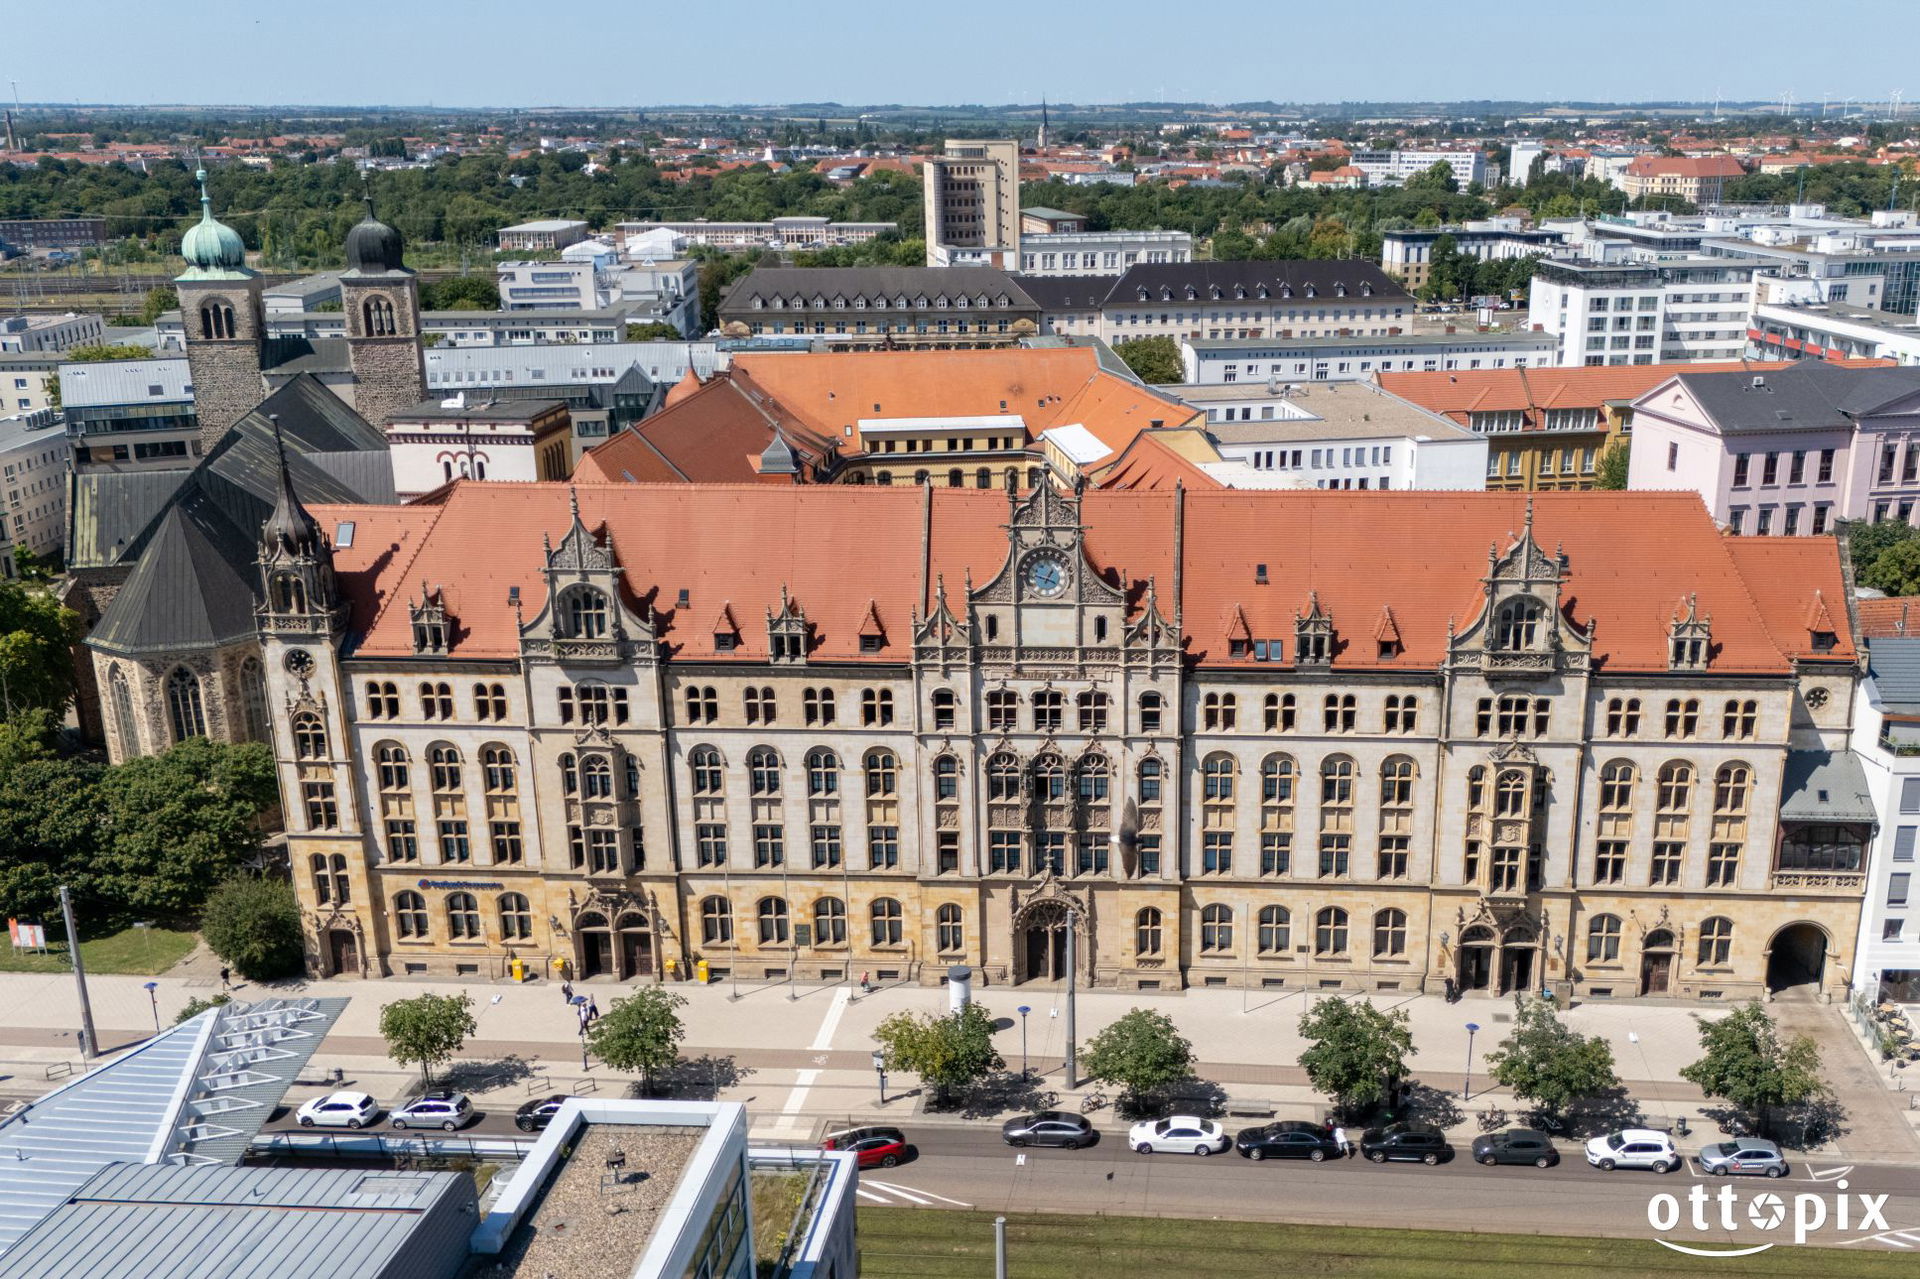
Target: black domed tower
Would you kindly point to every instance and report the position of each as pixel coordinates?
(382, 302)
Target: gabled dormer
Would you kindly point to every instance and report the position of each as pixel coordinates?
(1386, 635)
(585, 618)
(1152, 630)
(1822, 635)
(873, 635)
(787, 632)
(941, 637)
(429, 616)
(725, 630)
(1689, 637)
(1313, 635)
(1239, 635)
(1522, 629)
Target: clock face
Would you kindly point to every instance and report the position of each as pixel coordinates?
(300, 663)
(1046, 576)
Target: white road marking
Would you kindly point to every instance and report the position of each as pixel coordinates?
(831, 1022)
(1828, 1174)
(915, 1193)
(1020, 1160)
(868, 1194)
(803, 1081)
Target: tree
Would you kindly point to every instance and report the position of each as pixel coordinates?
(427, 1029)
(1139, 1052)
(1357, 1053)
(1614, 465)
(1866, 542)
(159, 299)
(178, 823)
(100, 353)
(1545, 1063)
(655, 332)
(1446, 269)
(1747, 1063)
(36, 649)
(947, 1052)
(1152, 359)
(1437, 176)
(641, 1032)
(460, 293)
(197, 1005)
(1895, 570)
(253, 923)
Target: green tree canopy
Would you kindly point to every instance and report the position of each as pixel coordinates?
(1614, 465)
(1895, 570)
(159, 299)
(460, 293)
(180, 822)
(1545, 1063)
(253, 923)
(1747, 1063)
(1866, 542)
(36, 649)
(427, 1030)
(99, 353)
(1356, 1053)
(947, 1052)
(654, 332)
(1155, 360)
(1139, 1052)
(641, 1032)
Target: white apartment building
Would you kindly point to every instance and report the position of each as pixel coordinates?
(1886, 741)
(1392, 168)
(26, 382)
(1407, 255)
(778, 233)
(1786, 330)
(1099, 252)
(1633, 307)
(33, 487)
(31, 334)
(547, 233)
(1356, 358)
(548, 286)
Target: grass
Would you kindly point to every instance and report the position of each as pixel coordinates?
(908, 1243)
(144, 951)
(775, 1195)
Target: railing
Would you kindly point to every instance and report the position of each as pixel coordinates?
(1828, 880)
(1893, 747)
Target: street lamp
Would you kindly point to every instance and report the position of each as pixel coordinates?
(579, 1002)
(1023, 1010)
(1466, 1089)
(154, 999)
(880, 1069)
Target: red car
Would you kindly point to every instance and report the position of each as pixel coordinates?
(873, 1147)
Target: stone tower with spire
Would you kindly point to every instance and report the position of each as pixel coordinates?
(221, 312)
(381, 298)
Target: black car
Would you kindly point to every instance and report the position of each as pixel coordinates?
(1408, 1142)
(1288, 1139)
(1515, 1146)
(535, 1115)
(1049, 1128)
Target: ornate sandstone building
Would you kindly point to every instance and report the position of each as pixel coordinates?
(1289, 740)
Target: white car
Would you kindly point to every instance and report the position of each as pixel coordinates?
(339, 1110)
(1178, 1135)
(1634, 1148)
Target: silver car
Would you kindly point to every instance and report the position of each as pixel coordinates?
(1743, 1156)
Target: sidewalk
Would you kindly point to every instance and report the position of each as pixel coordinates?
(802, 1060)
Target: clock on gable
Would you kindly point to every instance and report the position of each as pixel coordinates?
(1046, 574)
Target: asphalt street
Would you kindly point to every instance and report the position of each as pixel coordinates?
(955, 1166)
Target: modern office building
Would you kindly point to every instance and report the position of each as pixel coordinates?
(1342, 358)
(546, 233)
(795, 233)
(1105, 253)
(1886, 740)
(26, 334)
(127, 415)
(971, 194)
(1392, 168)
(34, 462)
(1831, 331)
(1639, 307)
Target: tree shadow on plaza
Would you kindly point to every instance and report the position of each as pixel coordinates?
(1425, 1103)
(1002, 1092)
(1200, 1097)
(693, 1079)
(485, 1076)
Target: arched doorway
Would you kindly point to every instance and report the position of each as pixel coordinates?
(1476, 959)
(1517, 951)
(593, 941)
(1797, 959)
(1656, 962)
(343, 952)
(636, 946)
(1043, 943)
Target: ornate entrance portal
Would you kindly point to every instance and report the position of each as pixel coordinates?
(1040, 926)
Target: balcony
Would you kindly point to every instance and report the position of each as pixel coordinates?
(1849, 882)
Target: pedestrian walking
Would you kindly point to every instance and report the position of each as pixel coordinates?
(226, 979)
(566, 991)
(866, 985)
(593, 1010)
(1340, 1140)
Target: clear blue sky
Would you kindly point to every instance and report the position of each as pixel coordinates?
(520, 53)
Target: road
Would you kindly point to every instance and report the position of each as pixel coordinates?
(969, 1166)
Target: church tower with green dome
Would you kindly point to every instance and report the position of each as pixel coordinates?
(381, 299)
(221, 311)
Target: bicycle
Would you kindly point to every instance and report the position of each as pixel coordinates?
(1492, 1119)
(1092, 1101)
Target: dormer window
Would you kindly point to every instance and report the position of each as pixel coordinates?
(1313, 635)
(1517, 626)
(787, 647)
(1690, 639)
(787, 633)
(429, 623)
(760, 303)
(1340, 290)
(1312, 291)
(1261, 292)
(1824, 641)
(585, 613)
(725, 641)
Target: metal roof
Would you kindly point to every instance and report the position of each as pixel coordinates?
(108, 382)
(1825, 786)
(196, 1092)
(454, 367)
(1894, 664)
(205, 1222)
(107, 511)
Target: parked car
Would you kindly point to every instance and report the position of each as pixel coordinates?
(1178, 1135)
(1515, 1146)
(1749, 1156)
(1634, 1148)
(338, 1110)
(1049, 1128)
(873, 1147)
(1406, 1142)
(447, 1110)
(1288, 1139)
(535, 1115)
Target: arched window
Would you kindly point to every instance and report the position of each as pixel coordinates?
(1093, 772)
(1731, 786)
(945, 707)
(1396, 782)
(773, 921)
(709, 774)
(394, 767)
(1518, 626)
(1276, 779)
(410, 915)
(1216, 774)
(253, 702)
(1389, 933)
(1151, 772)
(829, 922)
(763, 771)
(1336, 782)
(383, 700)
(570, 775)
(1330, 931)
(1219, 711)
(444, 763)
(823, 772)
(377, 318)
(946, 778)
(1716, 940)
(596, 777)
(1276, 930)
(760, 708)
(950, 932)
(463, 917)
(1091, 707)
(1616, 787)
(1003, 777)
(1216, 929)
(887, 921)
(309, 737)
(185, 711)
(1510, 794)
(516, 917)
(126, 729)
(1675, 786)
(1151, 705)
(289, 593)
(497, 763)
(1147, 931)
(586, 613)
(883, 770)
(1050, 777)
(716, 921)
(1603, 939)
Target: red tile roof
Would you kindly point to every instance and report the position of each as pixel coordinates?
(1895, 616)
(842, 552)
(1686, 166)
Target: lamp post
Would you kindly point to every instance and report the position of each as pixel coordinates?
(1466, 1088)
(579, 1002)
(1023, 1010)
(880, 1069)
(154, 999)
(1073, 960)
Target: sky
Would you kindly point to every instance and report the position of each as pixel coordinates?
(514, 53)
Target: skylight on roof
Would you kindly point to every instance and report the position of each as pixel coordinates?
(343, 536)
